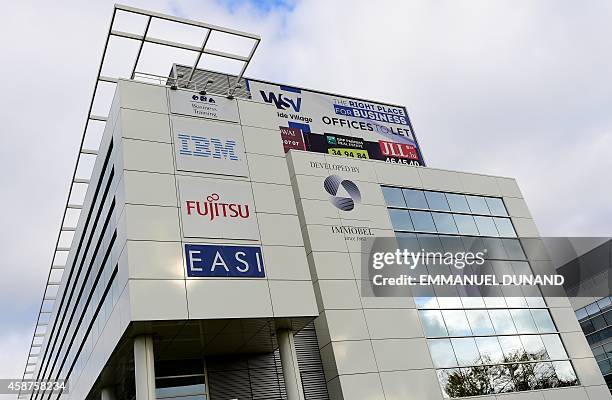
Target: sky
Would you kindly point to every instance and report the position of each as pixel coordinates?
(512, 88)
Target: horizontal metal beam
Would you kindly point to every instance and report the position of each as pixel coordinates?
(81, 180)
(89, 151)
(75, 206)
(98, 118)
(186, 21)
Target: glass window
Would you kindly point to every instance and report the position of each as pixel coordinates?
(456, 323)
(604, 303)
(543, 321)
(502, 322)
(608, 349)
(486, 226)
(429, 242)
(534, 347)
(452, 243)
(393, 197)
(599, 322)
(490, 351)
(587, 327)
(400, 219)
(554, 347)
(496, 206)
(444, 222)
(466, 224)
(465, 351)
(437, 201)
(513, 249)
(442, 353)
(592, 309)
(415, 198)
(494, 249)
(605, 367)
(478, 205)
(433, 323)
(504, 227)
(581, 313)
(523, 321)
(422, 221)
(457, 203)
(512, 348)
(480, 322)
(534, 301)
(565, 373)
(608, 317)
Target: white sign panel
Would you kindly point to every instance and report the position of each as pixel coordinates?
(209, 146)
(340, 125)
(215, 208)
(190, 103)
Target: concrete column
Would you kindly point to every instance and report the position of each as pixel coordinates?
(291, 371)
(108, 393)
(144, 368)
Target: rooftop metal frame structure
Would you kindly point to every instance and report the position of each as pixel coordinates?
(136, 72)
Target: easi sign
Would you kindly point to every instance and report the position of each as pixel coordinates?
(224, 261)
(190, 103)
(215, 208)
(208, 146)
(340, 125)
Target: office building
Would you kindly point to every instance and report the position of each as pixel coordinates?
(219, 246)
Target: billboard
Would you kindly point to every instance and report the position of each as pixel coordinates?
(224, 261)
(193, 104)
(339, 125)
(215, 208)
(202, 145)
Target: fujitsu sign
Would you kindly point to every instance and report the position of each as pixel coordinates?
(215, 208)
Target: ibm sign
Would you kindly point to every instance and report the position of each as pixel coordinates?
(209, 146)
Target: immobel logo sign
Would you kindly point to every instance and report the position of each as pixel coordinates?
(209, 146)
(344, 193)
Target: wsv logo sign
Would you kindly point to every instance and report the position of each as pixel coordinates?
(344, 193)
(200, 146)
(282, 102)
(224, 261)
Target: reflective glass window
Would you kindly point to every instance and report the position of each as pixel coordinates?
(543, 321)
(422, 221)
(400, 219)
(605, 367)
(457, 203)
(534, 347)
(523, 321)
(512, 348)
(504, 227)
(490, 350)
(478, 205)
(442, 353)
(592, 309)
(581, 313)
(444, 223)
(599, 322)
(456, 323)
(486, 226)
(393, 197)
(554, 347)
(480, 322)
(437, 201)
(502, 322)
(608, 349)
(465, 351)
(433, 323)
(604, 303)
(496, 206)
(415, 198)
(565, 373)
(466, 224)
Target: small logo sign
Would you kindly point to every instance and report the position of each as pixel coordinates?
(224, 261)
(213, 208)
(292, 139)
(335, 185)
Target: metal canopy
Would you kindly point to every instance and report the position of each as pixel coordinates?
(130, 61)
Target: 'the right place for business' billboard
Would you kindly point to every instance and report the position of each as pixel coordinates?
(344, 126)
